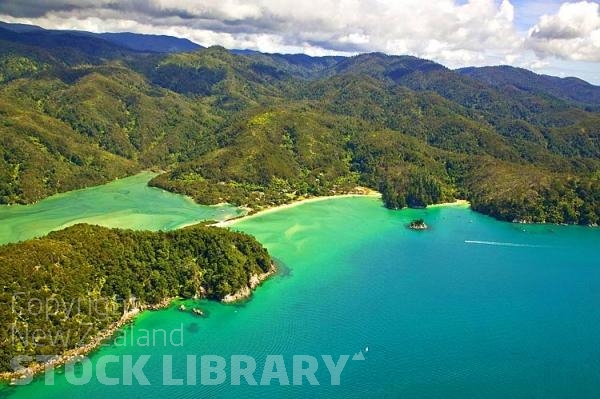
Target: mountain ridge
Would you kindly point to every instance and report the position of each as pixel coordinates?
(566, 88)
(260, 129)
(129, 40)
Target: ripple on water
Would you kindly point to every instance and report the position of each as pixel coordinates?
(441, 319)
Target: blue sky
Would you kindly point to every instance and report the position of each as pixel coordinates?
(527, 13)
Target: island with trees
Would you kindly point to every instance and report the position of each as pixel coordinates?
(418, 224)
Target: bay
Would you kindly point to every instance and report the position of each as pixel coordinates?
(124, 203)
(470, 308)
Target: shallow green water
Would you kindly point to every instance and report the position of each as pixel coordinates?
(124, 203)
(472, 308)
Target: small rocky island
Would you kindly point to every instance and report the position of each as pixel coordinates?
(418, 224)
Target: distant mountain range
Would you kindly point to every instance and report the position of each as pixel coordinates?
(132, 41)
(570, 89)
(257, 129)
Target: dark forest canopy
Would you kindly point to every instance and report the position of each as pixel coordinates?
(74, 283)
(262, 129)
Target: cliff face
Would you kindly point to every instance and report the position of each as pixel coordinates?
(245, 292)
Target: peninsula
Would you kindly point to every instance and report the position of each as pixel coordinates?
(103, 277)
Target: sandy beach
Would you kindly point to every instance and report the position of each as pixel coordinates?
(371, 193)
(127, 318)
(231, 222)
(459, 202)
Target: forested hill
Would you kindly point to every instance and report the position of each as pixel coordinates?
(569, 89)
(260, 129)
(85, 277)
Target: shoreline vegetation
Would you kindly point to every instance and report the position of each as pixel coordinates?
(124, 271)
(368, 193)
(418, 224)
(128, 318)
(244, 293)
(97, 342)
(241, 294)
(254, 129)
(357, 192)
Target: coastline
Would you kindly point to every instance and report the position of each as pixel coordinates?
(246, 292)
(368, 193)
(293, 204)
(458, 202)
(11, 377)
(242, 294)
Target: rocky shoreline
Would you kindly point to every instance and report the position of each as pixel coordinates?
(246, 292)
(526, 221)
(72, 354)
(418, 224)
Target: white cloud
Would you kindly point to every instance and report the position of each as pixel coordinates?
(453, 32)
(572, 33)
(355, 38)
(538, 65)
(444, 30)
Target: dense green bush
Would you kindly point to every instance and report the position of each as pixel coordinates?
(99, 270)
(261, 130)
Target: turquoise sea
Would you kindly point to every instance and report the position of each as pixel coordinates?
(472, 308)
(125, 203)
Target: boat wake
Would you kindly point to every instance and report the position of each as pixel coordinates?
(504, 244)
